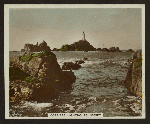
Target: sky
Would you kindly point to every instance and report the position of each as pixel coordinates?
(103, 27)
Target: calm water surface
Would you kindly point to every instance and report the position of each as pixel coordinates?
(99, 87)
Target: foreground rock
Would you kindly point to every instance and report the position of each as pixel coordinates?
(133, 80)
(44, 68)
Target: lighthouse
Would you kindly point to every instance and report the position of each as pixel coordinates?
(83, 36)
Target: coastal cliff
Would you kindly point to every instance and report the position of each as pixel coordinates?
(133, 79)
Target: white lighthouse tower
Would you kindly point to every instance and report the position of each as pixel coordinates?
(83, 36)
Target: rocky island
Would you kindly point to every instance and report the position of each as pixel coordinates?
(84, 45)
(36, 48)
(81, 45)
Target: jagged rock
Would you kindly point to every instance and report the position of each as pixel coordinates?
(114, 49)
(133, 80)
(55, 49)
(85, 58)
(79, 62)
(105, 49)
(98, 49)
(130, 50)
(43, 46)
(35, 48)
(70, 66)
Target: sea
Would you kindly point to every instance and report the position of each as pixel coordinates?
(99, 88)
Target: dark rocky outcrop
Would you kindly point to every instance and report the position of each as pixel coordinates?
(71, 66)
(81, 45)
(35, 48)
(133, 79)
(85, 58)
(55, 49)
(111, 49)
(98, 49)
(114, 49)
(79, 62)
(105, 49)
(22, 50)
(41, 67)
(130, 50)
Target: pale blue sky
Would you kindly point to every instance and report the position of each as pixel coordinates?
(111, 27)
